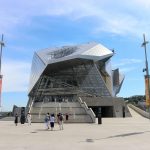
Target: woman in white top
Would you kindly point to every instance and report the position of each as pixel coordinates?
(29, 118)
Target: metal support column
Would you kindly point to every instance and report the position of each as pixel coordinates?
(1, 45)
(147, 88)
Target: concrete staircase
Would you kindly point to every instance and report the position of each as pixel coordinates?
(78, 112)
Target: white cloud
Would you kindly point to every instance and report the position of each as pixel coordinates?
(126, 61)
(119, 17)
(15, 75)
(127, 65)
(127, 69)
(145, 4)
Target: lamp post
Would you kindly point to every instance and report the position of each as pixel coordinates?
(1, 48)
(147, 88)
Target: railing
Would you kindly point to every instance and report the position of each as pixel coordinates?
(88, 110)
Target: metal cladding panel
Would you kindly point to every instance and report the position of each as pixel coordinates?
(99, 51)
(108, 67)
(92, 51)
(94, 58)
(118, 79)
(37, 68)
(53, 55)
(121, 79)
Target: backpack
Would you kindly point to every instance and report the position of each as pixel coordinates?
(61, 118)
(46, 119)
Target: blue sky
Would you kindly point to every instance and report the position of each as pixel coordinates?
(33, 25)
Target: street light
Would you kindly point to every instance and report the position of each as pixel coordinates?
(147, 88)
(1, 45)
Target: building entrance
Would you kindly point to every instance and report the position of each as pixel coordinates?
(106, 111)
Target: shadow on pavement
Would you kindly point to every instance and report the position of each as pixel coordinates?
(115, 136)
(48, 130)
(126, 134)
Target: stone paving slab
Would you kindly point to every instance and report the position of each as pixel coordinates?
(114, 134)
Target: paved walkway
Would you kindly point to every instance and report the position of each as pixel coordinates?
(114, 134)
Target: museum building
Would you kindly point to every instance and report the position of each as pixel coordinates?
(76, 80)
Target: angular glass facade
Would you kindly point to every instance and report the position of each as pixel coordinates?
(63, 74)
(67, 84)
(37, 68)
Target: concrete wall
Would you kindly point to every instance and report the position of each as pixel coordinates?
(116, 103)
(119, 103)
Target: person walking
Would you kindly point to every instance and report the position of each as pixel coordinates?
(61, 121)
(52, 121)
(29, 119)
(67, 117)
(47, 118)
(22, 118)
(58, 118)
(16, 119)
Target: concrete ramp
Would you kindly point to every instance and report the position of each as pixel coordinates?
(134, 114)
(137, 112)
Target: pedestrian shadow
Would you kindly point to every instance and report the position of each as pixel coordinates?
(33, 132)
(47, 130)
(89, 140)
(124, 135)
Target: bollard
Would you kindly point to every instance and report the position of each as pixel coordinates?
(123, 112)
(99, 119)
(99, 116)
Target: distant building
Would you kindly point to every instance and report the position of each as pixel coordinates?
(70, 78)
